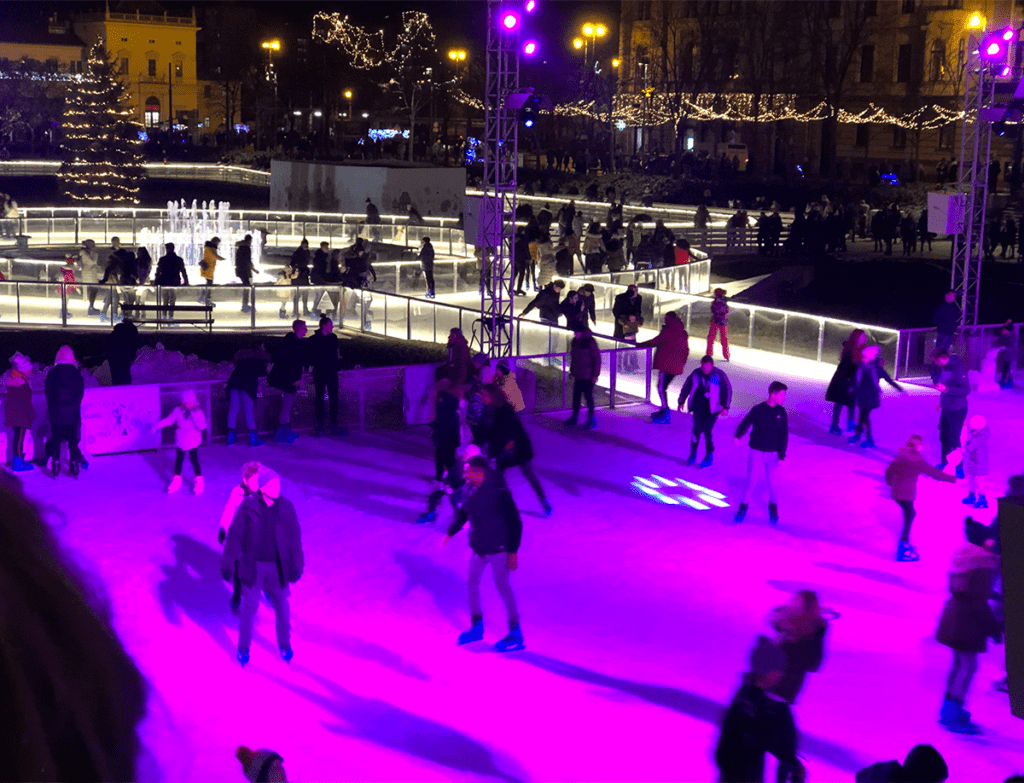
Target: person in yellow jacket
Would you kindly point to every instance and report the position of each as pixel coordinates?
(208, 266)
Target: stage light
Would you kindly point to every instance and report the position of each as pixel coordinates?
(509, 21)
(531, 6)
(530, 48)
(1008, 34)
(996, 46)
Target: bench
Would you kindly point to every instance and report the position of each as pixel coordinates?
(197, 314)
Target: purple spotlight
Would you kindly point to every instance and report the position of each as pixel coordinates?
(1008, 34)
(1006, 71)
(530, 48)
(509, 21)
(993, 50)
(531, 5)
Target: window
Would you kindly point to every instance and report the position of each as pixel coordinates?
(870, 7)
(903, 62)
(124, 65)
(937, 61)
(152, 115)
(899, 138)
(908, 6)
(152, 67)
(124, 40)
(207, 92)
(947, 133)
(643, 10)
(867, 64)
(863, 138)
(177, 43)
(178, 69)
(152, 40)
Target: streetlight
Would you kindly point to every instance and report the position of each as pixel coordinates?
(457, 55)
(588, 43)
(271, 46)
(976, 22)
(348, 97)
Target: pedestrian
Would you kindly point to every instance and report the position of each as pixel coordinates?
(495, 532)
(954, 387)
(427, 263)
(18, 411)
(89, 263)
(244, 269)
(923, 763)
(868, 393)
(707, 393)
(189, 422)
(585, 368)
(593, 249)
(975, 438)
(286, 375)
(112, 277)
(457, 366)
(170, 273)
(671, 350)
(547, 303)
(1005, 343)
(445, 436)
(122, 348)
(966, 625)
(946, 322)
(144, 264)
(300, 277)
(243, 385)
(325, 358)
(719, 323)
(841, 388)
(264, 544)
(64, 392)
(373, 219)
(208, 267)
(901, 476)
(508, 444)
(769, 438)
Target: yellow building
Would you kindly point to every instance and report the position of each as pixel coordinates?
(56, 46)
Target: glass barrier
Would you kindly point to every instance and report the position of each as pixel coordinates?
(769, 331)
(802, 333)
(39, 303)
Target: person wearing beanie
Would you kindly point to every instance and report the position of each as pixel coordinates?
(901, 476)
(966, 625)
(719, 324)
(189, 421)
(707, 393)
(769, 438)
(18, 411)
(64, 392)
(264, 549)
(261, 766)
(975, 437)
(585, 368)
(923, 764)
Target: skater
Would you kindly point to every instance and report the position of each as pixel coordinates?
(446, 437)
(300, 278)
(264, 544)
(18, 411)
(508, 444)
(901, 476)
(189, 422)
(122, 348)
(975, 437)
(547, 303)
(457, 366)
(769, 437)
(672, 349)
(89, 263)
(1005, 342)
(112, 278)
(573, 308)
(585, 368)
(246, 487)
(244, 269)
(952, 382)
(966, 625)
(495, 532)
(208, 267)
(946, 322)
(923, 763)
(593, 249)
(707, 393)
(868, 394)
(170, 273)
(373, 219)
(243, 384)
(427, 263)
(627, 310)
(719, 324)
(325, 359)
(64, 392)
(286, 376)
(841, 389)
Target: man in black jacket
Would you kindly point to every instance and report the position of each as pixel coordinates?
(300, 277)
(325, 358)
(627, 312)
(946, 322)
(244, 268)
(286, 375)
(170, 273)
(495, 532)
(264, 548)
(769, 438)
(546, 302)
(427, 262)
(64, 392)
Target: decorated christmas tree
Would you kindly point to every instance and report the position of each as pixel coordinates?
(102, 150)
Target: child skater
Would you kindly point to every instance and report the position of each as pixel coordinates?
(867, 393)
(901, 476)
(974, 438)
(18, 410)
(189, 422)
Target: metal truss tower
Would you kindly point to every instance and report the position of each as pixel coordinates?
(498, 206)
(975, 148)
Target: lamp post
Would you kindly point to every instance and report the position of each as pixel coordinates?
(458, 58)
(271, 46)
(613, 76)
(348, 97)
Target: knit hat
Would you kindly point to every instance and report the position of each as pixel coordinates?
(977, 422)
(188, 397)
(267, 475)
(65, 356)
(256, 763)
(21, 363)
(719, 292)
(971, 557)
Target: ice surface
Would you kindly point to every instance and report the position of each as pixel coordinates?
(638, 617)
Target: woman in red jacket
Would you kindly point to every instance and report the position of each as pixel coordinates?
(672, 349)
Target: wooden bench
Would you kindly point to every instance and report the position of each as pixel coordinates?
(197, 314)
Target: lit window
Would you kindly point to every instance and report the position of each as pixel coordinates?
(152, 114)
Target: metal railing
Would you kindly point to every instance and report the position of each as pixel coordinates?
(972, 344)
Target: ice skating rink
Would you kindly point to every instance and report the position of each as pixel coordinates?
(638, 617)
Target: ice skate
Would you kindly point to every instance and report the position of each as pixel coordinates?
(19, 465)
(868, 443)
(707, 461)
(198, 486)
(74, 468)
(53, 467)
(281, 436)
(834, 430)
(546, 504)
(242, 657)
(174, 486)
(960, 472)
(590, 424)
(970, 500)
(853, 439)
(512, 642)
(572, 421)
(93, 311)
(773, 513)
(426, 516)
(338, 431)
(664, 416)
(741, 513)
(982, 502)
(255, 440)
(851, 426)
(474, 634)
(905, 553)
(232, 437)
(692, 458)
(287, 654)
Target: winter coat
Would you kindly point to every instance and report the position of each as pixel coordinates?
(189, 424)
(954, 377)
(210, 259)
(902, 473)
(867, 378)
(719, 312)
(90, 265)
(427, 257)
(289, 359)
(494, 522)
(975, 449)
(508, 385)
(622, 308)
(508, 443)
(122, 348)
(245, 531)
(802, 656)
(445, 425)
(947, 318)
(967, 620)
(576, 314)
(717, 387)
(323, 354)
(243, 264)
(300, 266)
(841, 387)
(321, 265)
(546, 302)
(64, 391)
(769, 428)
(459, 360)
(672, 347)
(250, 366)
(18, 410)
(170, 271)
(584, 358)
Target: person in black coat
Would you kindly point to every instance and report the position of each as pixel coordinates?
(64, 392)
(867, 392)
(840, 388)
(546, 302)
(122, 347)
(444, 434)
(264, 549)
(946, 322)
(243, 386)
(627, 312)
(575, 311)
(170, 273)
(325, 358)
(286, 375)
(509, 445)
(495, 532)
(427, 263)
(300, 277)
(244, 268)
